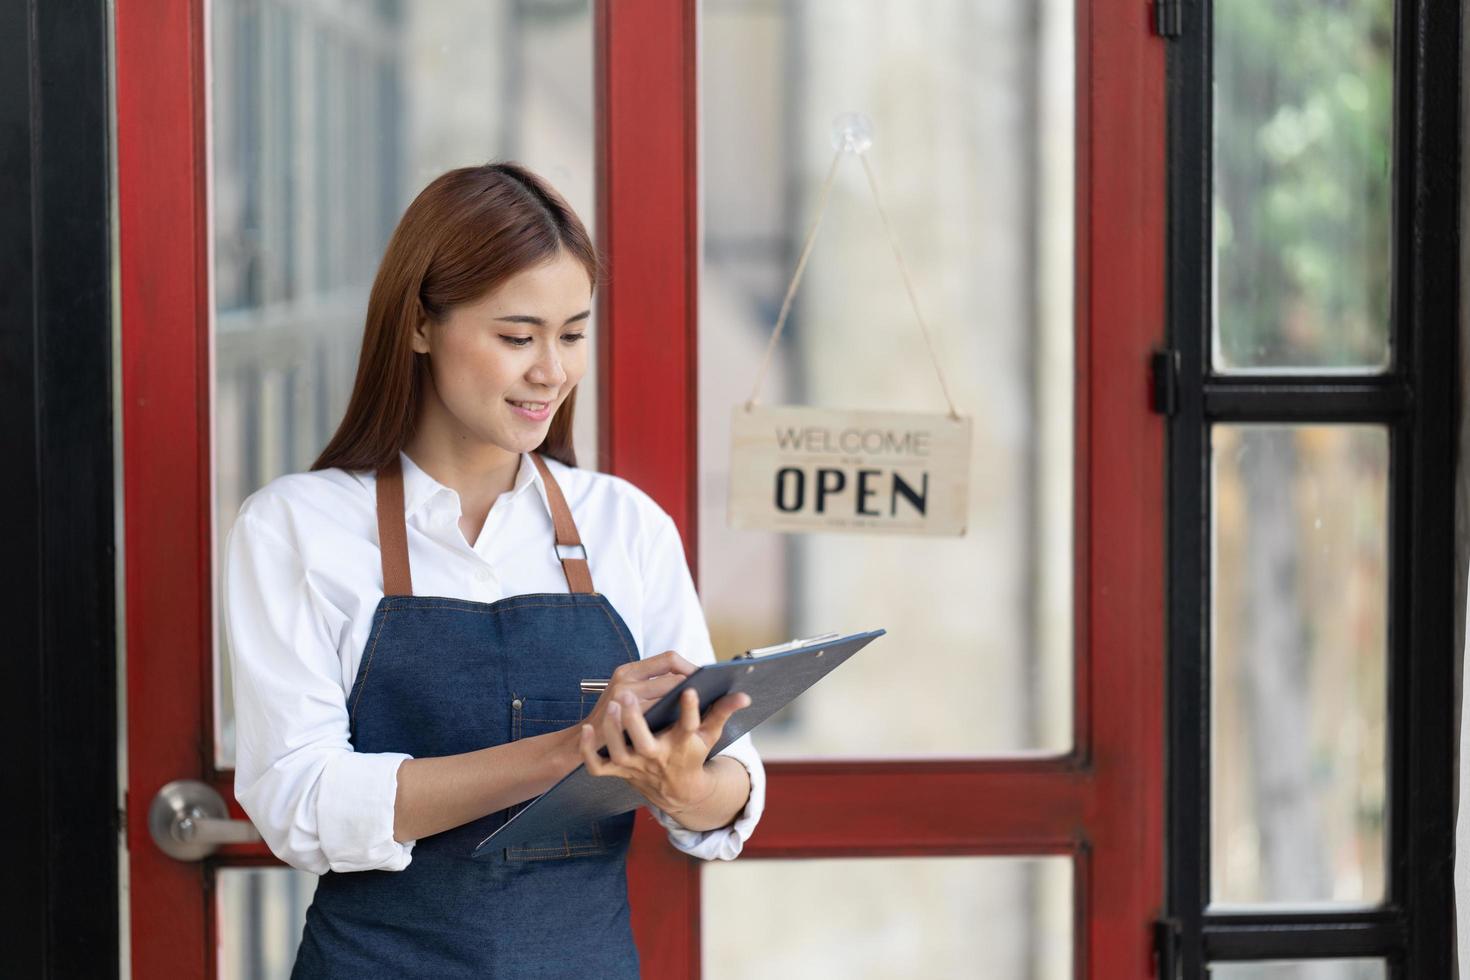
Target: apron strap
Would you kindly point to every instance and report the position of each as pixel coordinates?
(392, 531)
(568, 543)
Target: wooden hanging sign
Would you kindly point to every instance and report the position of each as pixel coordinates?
(796, 468)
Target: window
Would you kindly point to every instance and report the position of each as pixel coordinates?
(1311, 381)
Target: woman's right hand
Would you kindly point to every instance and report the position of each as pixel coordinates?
(648, 679)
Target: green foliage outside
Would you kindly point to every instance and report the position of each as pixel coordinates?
(1303, 134)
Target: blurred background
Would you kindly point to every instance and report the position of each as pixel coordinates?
(329, 117)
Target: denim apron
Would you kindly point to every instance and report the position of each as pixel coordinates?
(442, 676)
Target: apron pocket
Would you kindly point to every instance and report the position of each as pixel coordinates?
(540, 716)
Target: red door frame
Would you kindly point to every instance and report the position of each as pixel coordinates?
(1100, 804)
(163, 260)
(647, 205)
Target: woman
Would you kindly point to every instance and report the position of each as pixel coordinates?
(397, 702)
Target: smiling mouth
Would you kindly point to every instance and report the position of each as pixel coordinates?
(529, 406)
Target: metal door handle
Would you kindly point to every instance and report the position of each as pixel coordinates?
(188, 820)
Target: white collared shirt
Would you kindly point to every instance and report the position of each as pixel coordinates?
(302, 578)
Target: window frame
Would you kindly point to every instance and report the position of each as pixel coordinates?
(1417, 400)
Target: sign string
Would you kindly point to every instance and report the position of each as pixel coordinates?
(801, 267)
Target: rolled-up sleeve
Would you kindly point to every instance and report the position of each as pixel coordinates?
(319, 804)
(673, 620)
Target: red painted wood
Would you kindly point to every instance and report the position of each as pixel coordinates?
(165, 369)
(912, 808)
(1121, 235)
(648, 139)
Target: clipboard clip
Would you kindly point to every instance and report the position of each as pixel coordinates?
(787, 646)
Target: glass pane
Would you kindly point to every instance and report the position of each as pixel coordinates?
(972, 109)
(1303, 111)
(328, 118)
(260, 915)
(1299, 669)
(1302, 970)
(888, 917)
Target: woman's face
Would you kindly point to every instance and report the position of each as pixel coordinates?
(502, 365)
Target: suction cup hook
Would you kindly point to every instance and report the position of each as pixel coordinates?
(852, 132)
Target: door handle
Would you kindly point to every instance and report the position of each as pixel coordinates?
(188, 820)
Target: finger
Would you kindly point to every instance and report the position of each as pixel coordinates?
(680, 665)
(689, 711)
(653, 666)
(719, 712)
(643, 741)
(677, 664)
(655, 688)
(587, 742)
(612, 728)
(647, 691)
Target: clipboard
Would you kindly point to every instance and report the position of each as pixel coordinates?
(773, 677)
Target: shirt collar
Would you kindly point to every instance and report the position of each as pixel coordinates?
(422, 492)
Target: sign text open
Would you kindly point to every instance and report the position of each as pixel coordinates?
(794, 468)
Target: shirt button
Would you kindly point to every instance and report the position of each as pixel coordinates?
(516, 704)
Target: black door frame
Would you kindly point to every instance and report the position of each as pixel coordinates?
(1418, 400)
(58, 668)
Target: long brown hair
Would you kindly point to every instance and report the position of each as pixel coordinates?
(464, 234)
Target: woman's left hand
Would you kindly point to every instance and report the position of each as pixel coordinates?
(667, 768)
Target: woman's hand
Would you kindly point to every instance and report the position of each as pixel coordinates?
(647, 680)
(667, 768)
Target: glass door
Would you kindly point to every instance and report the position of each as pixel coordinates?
(267, 149)
(974, 114)
(981, 793)
(326, 121)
